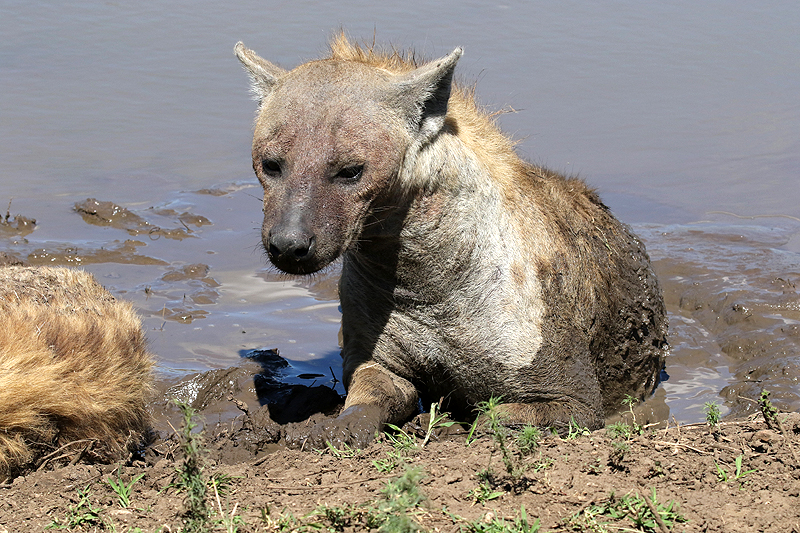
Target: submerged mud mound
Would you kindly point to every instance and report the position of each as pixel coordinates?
(17, 226)
(249, 404)
(8, 259)
(124, 252)
(105, 213)
(733, 294)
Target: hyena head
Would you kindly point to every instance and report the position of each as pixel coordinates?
(332, 138)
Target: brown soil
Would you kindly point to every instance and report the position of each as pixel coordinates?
(592, 482)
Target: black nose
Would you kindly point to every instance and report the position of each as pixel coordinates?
(287, 246)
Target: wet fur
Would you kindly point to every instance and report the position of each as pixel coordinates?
(73, 365)
(467, 272)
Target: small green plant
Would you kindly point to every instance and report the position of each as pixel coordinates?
(222, 482)
(528, 439)
(403, 445)
(81, 514)
(283, 521)
(472, 435)
(616, 458)
(485, 475)
(490, 411)
(595, 467)
(543, 463)
(122, 490)
(401, 495)
(736, 474)
(769, 411)
(619, 430)
(500, 525)
(230, 521)
(642, 514)
(191, 476)
(346, 451)
(484, 493)
(722, 475)
(632, 402)
(575, 430)
(657, 470)
(401, 441)
(645, 515)
(385, 466)
(712, 413)
(435, 421)
(393, 512)
(587, 520)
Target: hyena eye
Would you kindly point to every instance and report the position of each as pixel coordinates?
(270, 167)
(350, 173)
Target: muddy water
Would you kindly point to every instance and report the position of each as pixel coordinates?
(125, 131)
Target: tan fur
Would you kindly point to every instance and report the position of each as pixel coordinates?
(73, 365)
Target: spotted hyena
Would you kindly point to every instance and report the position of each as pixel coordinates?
(74, 366)
(467, 272)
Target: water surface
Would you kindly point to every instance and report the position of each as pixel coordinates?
(684, 116)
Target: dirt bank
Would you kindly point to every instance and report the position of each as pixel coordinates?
(741, 476)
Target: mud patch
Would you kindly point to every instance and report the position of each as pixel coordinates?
(7, 259)
(63, 254)
(734, 304)
(249, 402)
(185, 289)
(16, 225)
(104, 213)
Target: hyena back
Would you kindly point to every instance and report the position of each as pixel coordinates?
(467, 273)
(74, 366)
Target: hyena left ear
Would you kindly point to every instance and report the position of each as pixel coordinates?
(423, 94)
(263, 74)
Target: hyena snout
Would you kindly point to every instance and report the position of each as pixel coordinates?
(292, 247)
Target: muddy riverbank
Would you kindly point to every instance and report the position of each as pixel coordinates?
(739, 476)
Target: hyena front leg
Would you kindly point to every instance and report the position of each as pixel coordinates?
(375, 397)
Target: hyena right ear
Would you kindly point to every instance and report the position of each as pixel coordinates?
(263, 74)
(424, 92)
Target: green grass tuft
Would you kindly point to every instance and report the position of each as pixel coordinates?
(191, 475)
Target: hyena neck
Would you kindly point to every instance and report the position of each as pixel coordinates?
(427, 235)
(468, 156)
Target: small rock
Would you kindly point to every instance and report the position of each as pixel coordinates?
(451, 478)
(766, 435)
(123, 515)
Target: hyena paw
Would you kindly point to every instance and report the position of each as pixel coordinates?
(355, 428)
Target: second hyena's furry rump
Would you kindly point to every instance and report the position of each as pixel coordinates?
(73, 365)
